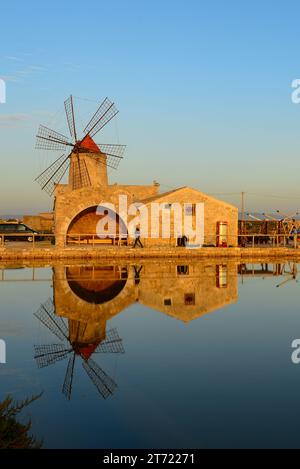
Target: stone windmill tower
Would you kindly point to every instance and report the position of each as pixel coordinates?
(83, 160)
(83, 165)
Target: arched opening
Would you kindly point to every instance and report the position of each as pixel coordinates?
(97, 284)
(86, 227)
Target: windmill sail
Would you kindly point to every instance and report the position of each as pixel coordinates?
(69, 108)
(55, 324)
(104, 384)
(67, 386)
(106, 154)
(112, 149)
(102, 116)
(80, 174)
(48, 354)
(53, 174)
(48, 139)
(112, 343)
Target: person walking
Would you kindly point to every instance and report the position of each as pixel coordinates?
(137, 241)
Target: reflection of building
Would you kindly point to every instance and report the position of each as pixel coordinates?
(187, 291)
(94, 294)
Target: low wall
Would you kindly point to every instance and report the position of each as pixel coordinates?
(124, 252)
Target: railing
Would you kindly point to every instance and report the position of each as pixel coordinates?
(31, 238)
(92, 239)
(241, 240)
(268, 240)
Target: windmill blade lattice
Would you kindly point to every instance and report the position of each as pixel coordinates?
(80, 174)
(48, 354)
(112, 149)
(104, 383)
(48, 139)
(112, 343)
(68, 382)
(53, 174)
(55, 324)
(106, 111)
(110, 161)
(69, 108)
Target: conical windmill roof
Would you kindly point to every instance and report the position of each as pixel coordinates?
(89, 144)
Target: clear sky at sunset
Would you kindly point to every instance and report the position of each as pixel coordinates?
(203, 89)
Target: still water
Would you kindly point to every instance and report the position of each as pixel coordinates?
(154, 355)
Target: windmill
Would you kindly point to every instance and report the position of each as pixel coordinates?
(82, 156)
(73, 348)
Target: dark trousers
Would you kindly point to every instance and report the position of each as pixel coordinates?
(138, 242)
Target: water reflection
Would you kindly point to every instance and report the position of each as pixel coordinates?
(77, 340)
(94, 294)
(287, 270)
(86, 297)
(237, 359)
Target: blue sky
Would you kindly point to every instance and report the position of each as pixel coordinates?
(203, 89)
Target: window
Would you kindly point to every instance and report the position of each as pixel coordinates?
(168, 206)
(222, 234)
(21, 228)
(9, 228)
(167, 302)
(182, 270)
(189, 299)
(190, 209)
(221, 276)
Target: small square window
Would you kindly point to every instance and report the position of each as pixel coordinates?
(182, 270)
(189, 299)
(190, 209)
(167, 302)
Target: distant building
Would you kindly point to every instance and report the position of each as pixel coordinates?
(41, 222)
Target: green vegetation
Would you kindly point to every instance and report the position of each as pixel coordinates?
(13, 434)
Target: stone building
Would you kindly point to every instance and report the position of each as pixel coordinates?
(76, 218)
(41, 222)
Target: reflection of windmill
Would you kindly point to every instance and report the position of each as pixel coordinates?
(83, 155)
(48, 354)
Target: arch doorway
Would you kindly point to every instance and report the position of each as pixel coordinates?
(84, 228)
(97, 284)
